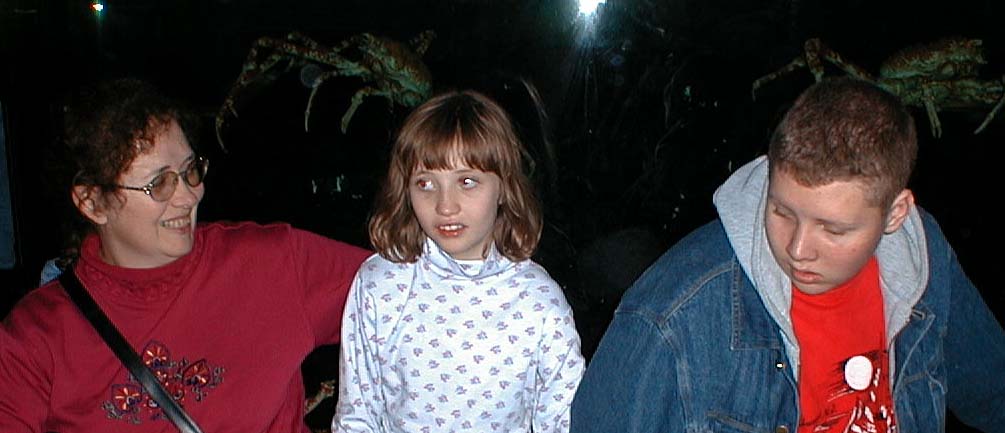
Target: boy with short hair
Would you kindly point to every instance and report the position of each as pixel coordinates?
(821, 300)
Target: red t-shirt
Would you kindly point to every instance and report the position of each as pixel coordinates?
(844, 377)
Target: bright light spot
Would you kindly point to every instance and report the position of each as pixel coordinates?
(588, 7)
(97, 7)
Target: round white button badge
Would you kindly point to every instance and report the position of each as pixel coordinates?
(858, 372)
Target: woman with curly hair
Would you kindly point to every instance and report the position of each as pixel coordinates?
(221, 314)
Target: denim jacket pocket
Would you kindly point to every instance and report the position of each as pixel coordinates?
(925, 407)
(924, 400)
(720, 422)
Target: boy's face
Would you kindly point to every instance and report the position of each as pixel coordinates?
(822, 236)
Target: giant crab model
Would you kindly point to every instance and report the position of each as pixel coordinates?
(387, 67)
(942, 74)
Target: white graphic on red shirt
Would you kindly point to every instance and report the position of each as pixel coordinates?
(859, 398)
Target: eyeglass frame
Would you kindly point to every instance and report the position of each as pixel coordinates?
(181, 176)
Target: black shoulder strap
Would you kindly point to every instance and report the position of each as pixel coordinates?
(126, 354)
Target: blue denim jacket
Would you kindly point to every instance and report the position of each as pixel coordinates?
(692, 348)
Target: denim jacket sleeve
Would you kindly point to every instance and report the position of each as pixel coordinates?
(974, 350)
(629, 385)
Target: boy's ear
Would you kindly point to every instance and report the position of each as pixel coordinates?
(898, 211)
(85, 200)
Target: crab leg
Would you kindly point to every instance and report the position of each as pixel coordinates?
(321, 79)
(815, 48)
(357, 99)
(814, 53)
(796, 63)
(327, 390)
(991, 115)
(314, 91)
(933, 118)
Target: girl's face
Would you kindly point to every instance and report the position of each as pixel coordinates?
(137, 231)
(456, 208)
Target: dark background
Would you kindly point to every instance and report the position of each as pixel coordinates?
(645, 108)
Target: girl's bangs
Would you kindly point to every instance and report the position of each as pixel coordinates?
(460, 147)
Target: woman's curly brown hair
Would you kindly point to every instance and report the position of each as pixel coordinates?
(105, 128)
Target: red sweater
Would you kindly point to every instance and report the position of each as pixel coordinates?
(225, 327)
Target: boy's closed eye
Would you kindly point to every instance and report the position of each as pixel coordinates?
(835, 231)
(780, 212)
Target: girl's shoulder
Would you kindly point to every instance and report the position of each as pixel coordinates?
(532, 276)
(530, 270)
(376, 266)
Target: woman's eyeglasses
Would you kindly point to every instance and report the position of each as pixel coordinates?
(162, 187)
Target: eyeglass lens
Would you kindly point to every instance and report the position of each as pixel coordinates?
(163, 186)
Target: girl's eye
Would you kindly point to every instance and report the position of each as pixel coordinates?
(779, 213)
(469, 182)
(424, 184)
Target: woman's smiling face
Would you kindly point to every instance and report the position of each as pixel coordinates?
(137, 231)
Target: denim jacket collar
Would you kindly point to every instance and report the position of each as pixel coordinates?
(751, 329)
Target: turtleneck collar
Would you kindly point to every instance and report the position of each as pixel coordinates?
(138, 284)
(442, 264)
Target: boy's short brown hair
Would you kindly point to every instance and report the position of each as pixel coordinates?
(846, 129)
